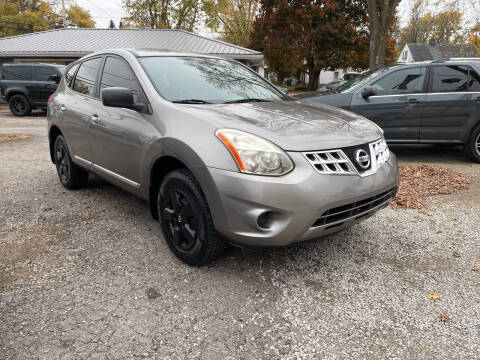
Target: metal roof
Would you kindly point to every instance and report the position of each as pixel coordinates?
(421, 52)
(80, 42)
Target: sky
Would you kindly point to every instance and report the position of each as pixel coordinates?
(104, 10)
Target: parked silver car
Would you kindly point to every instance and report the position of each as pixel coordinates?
(220, 154)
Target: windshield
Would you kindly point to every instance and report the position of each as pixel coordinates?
(354, 84)
(198, 80)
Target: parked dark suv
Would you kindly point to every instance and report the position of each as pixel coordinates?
(27, 86)
(436, 102)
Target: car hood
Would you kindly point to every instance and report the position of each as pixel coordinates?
(292, 125)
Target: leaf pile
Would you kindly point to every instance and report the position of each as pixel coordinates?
(9, 137)
(417, 183)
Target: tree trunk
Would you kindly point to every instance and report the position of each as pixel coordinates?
(313, 76)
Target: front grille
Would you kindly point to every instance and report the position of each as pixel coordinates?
(351, 210)
(345, 162)
(331, 162)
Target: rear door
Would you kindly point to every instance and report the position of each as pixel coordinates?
(118, 136)
(452, 105)
(398, 105)
(77, 105)
(45, 87)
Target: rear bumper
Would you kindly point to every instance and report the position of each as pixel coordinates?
(293, 205)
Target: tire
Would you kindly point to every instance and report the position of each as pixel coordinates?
(186, 221)
(71, 176)
(472, 147)
(19, 105)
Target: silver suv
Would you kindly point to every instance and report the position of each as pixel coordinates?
(220, 153)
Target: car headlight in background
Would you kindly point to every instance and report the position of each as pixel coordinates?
(253, 154)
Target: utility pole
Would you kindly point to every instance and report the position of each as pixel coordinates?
(64, 15)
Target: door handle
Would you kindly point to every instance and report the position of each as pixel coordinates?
(477, 98)
(63, 108)
(95, 119)
(414, 101)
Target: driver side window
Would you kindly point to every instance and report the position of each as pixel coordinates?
(405, 81)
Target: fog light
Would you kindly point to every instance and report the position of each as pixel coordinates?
(265, 220)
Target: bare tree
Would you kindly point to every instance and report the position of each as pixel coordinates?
(380, 15)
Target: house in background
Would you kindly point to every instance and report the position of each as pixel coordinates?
(64, 46)
(412, 52)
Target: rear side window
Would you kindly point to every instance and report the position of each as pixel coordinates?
(70, 74)
(405, 81)
(17, 73)
(117, 73)
(86, 77)
(44, 73)
(455, 78)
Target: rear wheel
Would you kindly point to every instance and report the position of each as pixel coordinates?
(71, 176)
(472, 147)
(19, 105)
(186, 221)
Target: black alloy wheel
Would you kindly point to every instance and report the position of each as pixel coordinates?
(473, 145)
(186, 221)
(19, 105)
(71, 176)
(181, 220)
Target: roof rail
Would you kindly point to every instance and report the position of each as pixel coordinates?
(440, 60)
(465, 58)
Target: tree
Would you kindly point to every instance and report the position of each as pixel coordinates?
(424, 26)
(20, 17)
(163, 14)
(311, 36)
(120, 24)
(474, 37)
(80, 17)
(232, 18)
(111, 25)
(380, 16)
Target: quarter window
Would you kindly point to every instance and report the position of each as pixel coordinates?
(405, 81)
(455, 78)
(117, 73)
(86, 77)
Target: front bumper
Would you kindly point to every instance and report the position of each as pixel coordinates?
(294, 204)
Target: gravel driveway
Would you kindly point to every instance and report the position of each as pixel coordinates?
(86, 275)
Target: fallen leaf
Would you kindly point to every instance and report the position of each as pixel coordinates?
(456, 254)
(417, 183)
(476, 270)
(443, 318)
(433, 297)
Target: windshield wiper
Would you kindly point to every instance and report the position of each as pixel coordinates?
(191, 101)
(246, 101)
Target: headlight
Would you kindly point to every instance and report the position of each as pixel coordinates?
(253, 154)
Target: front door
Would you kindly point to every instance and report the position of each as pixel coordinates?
(397, 106)
(118, 135)
(452, 105)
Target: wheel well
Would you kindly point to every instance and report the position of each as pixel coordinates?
(54, 132)
(16, 92)
(160, 169)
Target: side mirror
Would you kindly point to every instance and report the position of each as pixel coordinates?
(120, 97)
(369, 91)
(54, 78)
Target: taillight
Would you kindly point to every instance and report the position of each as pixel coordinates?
(50, 98)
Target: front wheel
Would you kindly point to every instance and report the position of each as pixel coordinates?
(473, 145)
(71, 176)
(186, 221)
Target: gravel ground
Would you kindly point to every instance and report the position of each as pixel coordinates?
(86, 275)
